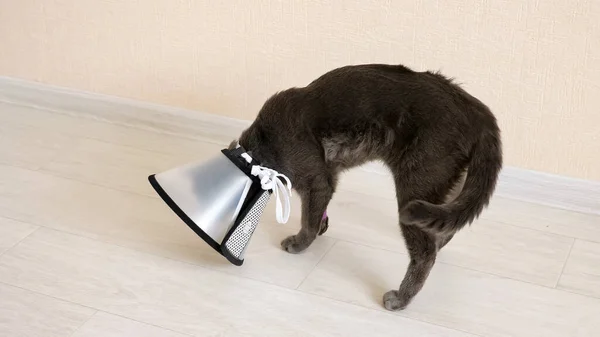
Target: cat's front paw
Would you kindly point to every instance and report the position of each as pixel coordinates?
(293, 245)
(393, 301)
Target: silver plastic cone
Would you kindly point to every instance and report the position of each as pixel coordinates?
(218, 199)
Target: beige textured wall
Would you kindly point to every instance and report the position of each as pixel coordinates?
(536, 63)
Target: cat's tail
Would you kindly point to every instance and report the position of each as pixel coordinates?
(483, 169)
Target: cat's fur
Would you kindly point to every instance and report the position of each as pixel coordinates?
(429, 131)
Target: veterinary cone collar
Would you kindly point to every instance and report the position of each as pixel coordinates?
(222, 199)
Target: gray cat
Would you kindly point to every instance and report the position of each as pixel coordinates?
(441, 144)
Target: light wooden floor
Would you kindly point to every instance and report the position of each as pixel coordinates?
(87, 249)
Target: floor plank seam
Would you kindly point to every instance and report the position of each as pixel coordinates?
(145, 323)
(317, 264)
(48, 296)
(83, 323)
(23, 238)
(565, 264)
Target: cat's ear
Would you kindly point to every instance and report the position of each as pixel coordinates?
(233, 145)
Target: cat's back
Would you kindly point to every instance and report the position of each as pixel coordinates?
(379, 80)
(373, 90)
(358, 96)
(360, 76)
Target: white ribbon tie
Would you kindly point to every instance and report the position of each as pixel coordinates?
(274, 181)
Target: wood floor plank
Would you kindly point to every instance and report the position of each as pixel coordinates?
(28, 147)
(145, 223)
(479, 303)
(186, 298)
(489, 246)
(543, 218)
(26, 314)
(122, 167)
